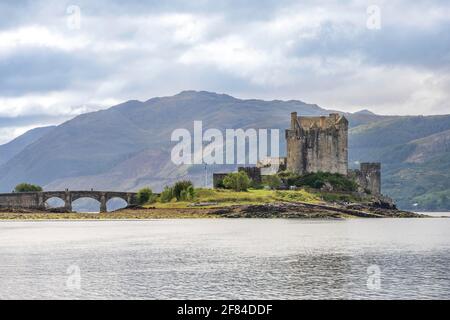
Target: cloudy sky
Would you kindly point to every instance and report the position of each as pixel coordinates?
(59, 59)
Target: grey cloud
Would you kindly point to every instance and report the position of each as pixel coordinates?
(23, 121)
(389, 46)
(33, 70)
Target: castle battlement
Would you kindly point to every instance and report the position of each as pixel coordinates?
(333, 121)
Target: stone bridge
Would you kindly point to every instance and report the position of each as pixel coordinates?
(37, 200)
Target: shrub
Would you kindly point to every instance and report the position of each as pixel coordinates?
(181, 186)
(144, 195)
(167, 194)
(317, 180)
(256, 185)
(289, 178)
(220, 184)
(187, 194)
(273, 181)
(26, 187)
(181, 190)
(237, 181)
(190, 193)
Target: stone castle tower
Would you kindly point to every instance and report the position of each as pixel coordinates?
(317, 144)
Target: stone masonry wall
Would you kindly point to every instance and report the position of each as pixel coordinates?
(368, 177)
(22, 200)
(317, 144)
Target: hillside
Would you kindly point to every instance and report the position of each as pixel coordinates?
(12, 148)
(415, 153)
(128, 146)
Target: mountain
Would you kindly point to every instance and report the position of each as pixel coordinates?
(365, 111)
(12, 148)
(128, 146)
(415, 155)
(425, 149)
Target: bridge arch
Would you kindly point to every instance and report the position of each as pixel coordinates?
(54, 202)
(86, 204)
(63, 196)
(116, 203)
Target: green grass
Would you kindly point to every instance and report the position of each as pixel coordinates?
(297, 196)
(224, 197)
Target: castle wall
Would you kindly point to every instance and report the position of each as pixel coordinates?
(368, 178)
(317, 144)
(296, 157)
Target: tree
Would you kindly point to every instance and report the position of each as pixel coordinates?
(144, 195)
(237, 181)
(27, 187)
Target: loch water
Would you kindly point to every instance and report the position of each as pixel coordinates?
(226, 259)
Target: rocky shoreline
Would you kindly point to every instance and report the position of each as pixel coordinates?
(307, 210)
(283, 210)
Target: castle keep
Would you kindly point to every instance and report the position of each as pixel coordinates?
(317, 144)
(321, 144)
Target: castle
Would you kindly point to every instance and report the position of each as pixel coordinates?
(317, 144)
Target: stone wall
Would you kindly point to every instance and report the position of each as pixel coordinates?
(272, 165)
(20, 200)
(317, 144)
(368, 177)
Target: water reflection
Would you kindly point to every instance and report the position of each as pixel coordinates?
(226, 259)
